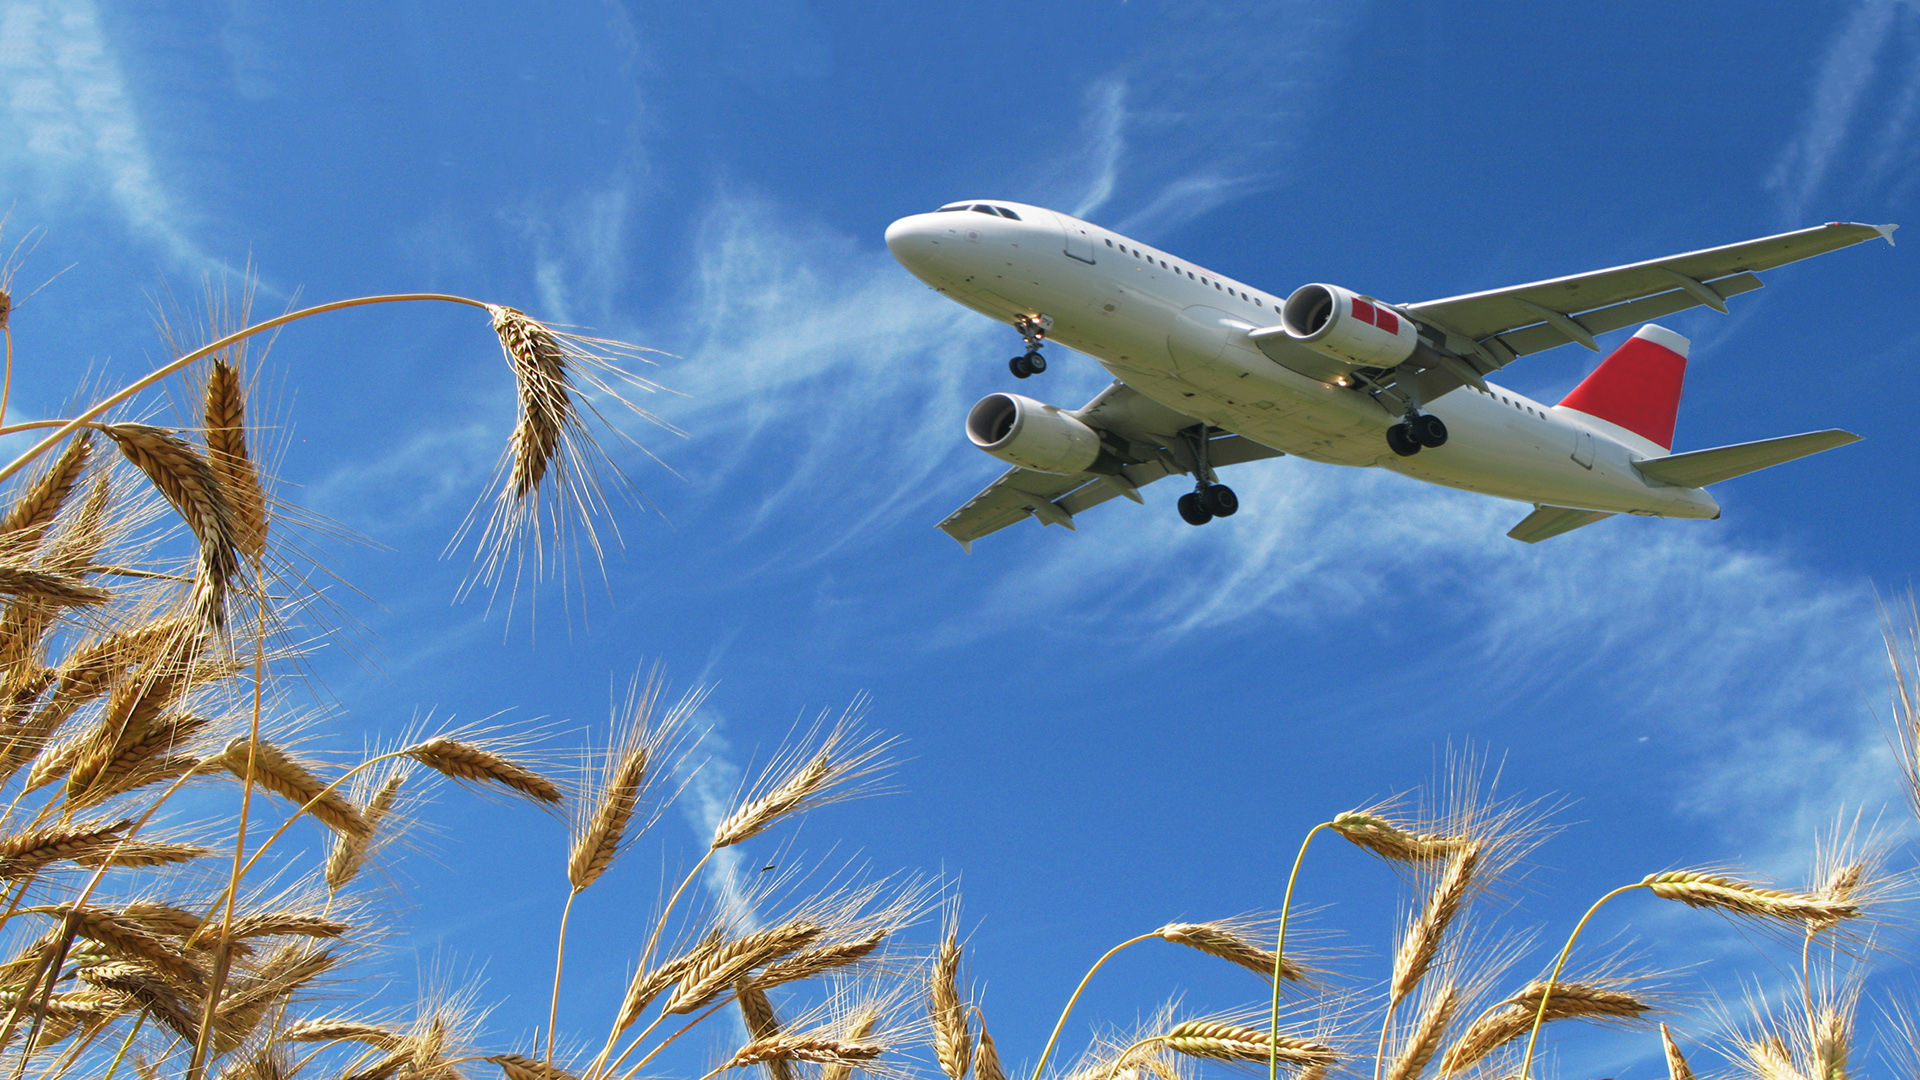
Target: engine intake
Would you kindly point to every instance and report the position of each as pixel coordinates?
(1349, 327)
(1024, 432)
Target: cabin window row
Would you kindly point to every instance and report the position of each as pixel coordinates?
(1135, 252)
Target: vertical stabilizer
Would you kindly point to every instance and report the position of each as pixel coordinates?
(1638, 387)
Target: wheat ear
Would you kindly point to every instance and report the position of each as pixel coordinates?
(1395, 843)
(186, 480)
(1422, 941)
(226, 434)
(328, 1029)
(805, 1048)
(279, 773)
(521, 1067)
(857, 1032)
(952, 1037)
(1514, 1018)
(1677, 1068)
(842, 758)
(711, 975)
(1231, 1042)
(763, 1025)
(349, 851)
(469, 761)
(1227, 943)
(1703, 890)
(1428, 1031)
(26, 521)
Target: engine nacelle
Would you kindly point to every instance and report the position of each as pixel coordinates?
(1346, 326)
(1024, 432)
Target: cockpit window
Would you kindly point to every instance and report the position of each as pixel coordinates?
(1004, 212)
(951, 206)
(985, 209)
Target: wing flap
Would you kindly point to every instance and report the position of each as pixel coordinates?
(1698, 468)
(1547, 522)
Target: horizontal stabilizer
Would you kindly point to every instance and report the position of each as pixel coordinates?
(1547, 522)
(1698, 468)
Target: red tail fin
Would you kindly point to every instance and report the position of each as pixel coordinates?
(1638, 387)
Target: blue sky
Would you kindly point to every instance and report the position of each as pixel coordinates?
(1108, 729)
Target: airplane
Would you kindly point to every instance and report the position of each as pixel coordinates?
(1211, 372)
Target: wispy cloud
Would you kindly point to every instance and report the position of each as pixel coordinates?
(1852, 81)
(71, 132)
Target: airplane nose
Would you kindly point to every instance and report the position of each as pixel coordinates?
(913, 240)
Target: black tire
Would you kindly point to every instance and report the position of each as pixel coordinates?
(1019, 366)
(1429, 431)
(1219, 500)
(1401, 441)
(1191, 511)
(1036, 363)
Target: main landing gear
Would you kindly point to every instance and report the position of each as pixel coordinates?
(1208, 499)
(1033, 330)
(1206, 502)
(1417, 430)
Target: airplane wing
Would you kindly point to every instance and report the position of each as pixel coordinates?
(1143, 435)
(1491, 329)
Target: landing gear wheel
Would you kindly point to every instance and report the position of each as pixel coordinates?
(1191, 510)
(1037, 364)
(1020, 367)
(1219, 500)
(1401, 441)
(1428, 430)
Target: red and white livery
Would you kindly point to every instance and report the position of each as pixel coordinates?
(1211, 372)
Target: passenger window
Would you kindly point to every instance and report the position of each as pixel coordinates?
(1109, 243)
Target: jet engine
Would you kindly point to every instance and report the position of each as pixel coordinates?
(1024, 432)
(1346, 326)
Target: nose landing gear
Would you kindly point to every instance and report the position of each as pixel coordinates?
(1033, 330)
(1417, 430)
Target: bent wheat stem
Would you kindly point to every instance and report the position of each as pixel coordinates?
(613, 1037)
(559, 959)
(1280, 952)
(1546, 992)
(100, 408)
(1068, 1011)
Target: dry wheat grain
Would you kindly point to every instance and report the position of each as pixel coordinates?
(226, 435)
(470, 761)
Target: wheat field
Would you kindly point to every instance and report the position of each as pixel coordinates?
(154, 616)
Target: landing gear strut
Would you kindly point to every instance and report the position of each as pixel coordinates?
(1033, 330)
(1208, 499)
(1417, 430)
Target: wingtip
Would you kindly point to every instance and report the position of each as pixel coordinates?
(1886, 232)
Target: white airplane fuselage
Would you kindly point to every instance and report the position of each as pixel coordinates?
(1177, 333)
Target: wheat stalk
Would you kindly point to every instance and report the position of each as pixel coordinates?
(469, 761)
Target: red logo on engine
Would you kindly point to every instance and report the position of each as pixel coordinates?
(1363, 311)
